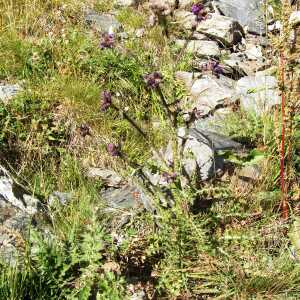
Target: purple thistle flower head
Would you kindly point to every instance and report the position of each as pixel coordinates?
(106, 101)
(107, 41)
(113, 149)
(197, 8)
(153, 80)
(216, 69)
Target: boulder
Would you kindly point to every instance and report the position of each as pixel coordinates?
(223, 29)
(199, 156)
(248, 13)
(258, 93)
(200, 48)
(208, 92)
(17, 208)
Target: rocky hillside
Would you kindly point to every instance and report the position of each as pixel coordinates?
(149, 149)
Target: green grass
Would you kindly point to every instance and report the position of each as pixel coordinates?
(223, 245)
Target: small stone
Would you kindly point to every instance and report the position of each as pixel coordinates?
(125, 3)
(127, 197)
(17, 208)
(110, 178)
(215, 122)
(254, 52)
(187, 78)
(62, 198)
(201, 48)
(276, 26)
(8, 91)
(295, 18)
(185, 19)
(140, 32)
(102, 22)
(258, 93)
(198, 157)
(245, 178)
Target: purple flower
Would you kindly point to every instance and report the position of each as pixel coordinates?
(113, 149)
(197, 8)
(106, 101)
(216, 69)
(153, 80)
(107, 41)
(199, 12)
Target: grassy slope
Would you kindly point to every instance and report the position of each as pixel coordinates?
(236, 248)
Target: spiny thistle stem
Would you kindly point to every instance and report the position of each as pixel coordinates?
(172, 116)
(131, 121)
(284, 204)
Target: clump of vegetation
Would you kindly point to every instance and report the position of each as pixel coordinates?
(92, 99)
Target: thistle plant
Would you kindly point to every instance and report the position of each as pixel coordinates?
(171, 172)
(107, 41)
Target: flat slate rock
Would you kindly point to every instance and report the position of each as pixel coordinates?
(126, 197)
(17, 208)
(258, 94)
(217, 141)
(247, 12)
(209, 92)
(102, 22)
(8, 91)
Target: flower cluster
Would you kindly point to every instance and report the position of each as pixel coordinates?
(113, 149)
(107, 41)
(199, 11)
(214, 67)
(106, 101)
(153, 80)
